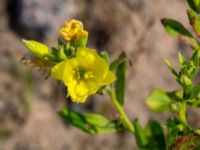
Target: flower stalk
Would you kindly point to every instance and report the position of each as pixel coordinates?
(123, 115)
(182, 113)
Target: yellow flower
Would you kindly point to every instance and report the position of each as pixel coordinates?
(83, 74)
(73, 30)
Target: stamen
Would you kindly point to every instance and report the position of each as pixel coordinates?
(82, 73)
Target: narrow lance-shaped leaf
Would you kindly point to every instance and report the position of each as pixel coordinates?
(155, 134)
(90, 123)
(105, 56)
(193, 65)
(172, 70)
(194, 19)
(195, 58)
(176, 29)
(140, 136)
(182, 60)
(115, 63)
(190, 68)
(195, 91)
(120, 82)
(195, 5)
(191, 4)
(187, 68)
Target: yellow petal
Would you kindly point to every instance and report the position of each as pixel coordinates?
(63, 71)
(69, 70)
(89, 59)
(86, 57)
(92, 86)
(65, 35)
(100, 69)
(81, 52)
(73, 93)
(73, 24)
(81, 89)
(58, 70)
(73, 63)
(110, 77)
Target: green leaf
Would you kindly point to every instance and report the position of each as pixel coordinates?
(122, 57)
(69, 51)
(90, 123)
(194, 19)
(182, 60)
(191, 4)
(37, 48)
(156, 136)
(159, 101)
(96, 119)
(172, 70)
(188, 69)
(195, 91)
(57, 54)
(192, 69)
(175, 130)
(195, 5)
(64, 50)
(176, 29)
(140, 136)
(120, 82)
(105, 56)
(176, 95)
(195, 58)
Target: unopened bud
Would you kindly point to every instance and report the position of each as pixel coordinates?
(36, 48)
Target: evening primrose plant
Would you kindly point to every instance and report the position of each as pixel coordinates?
(85, 72)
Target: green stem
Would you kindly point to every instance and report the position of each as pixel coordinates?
(123, 115)
(182, 113)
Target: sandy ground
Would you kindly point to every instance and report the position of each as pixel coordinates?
(133, 26)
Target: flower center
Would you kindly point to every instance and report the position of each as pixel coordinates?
(83, 74)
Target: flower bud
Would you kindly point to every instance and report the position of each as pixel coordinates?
(36, 48)
(72, 30)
